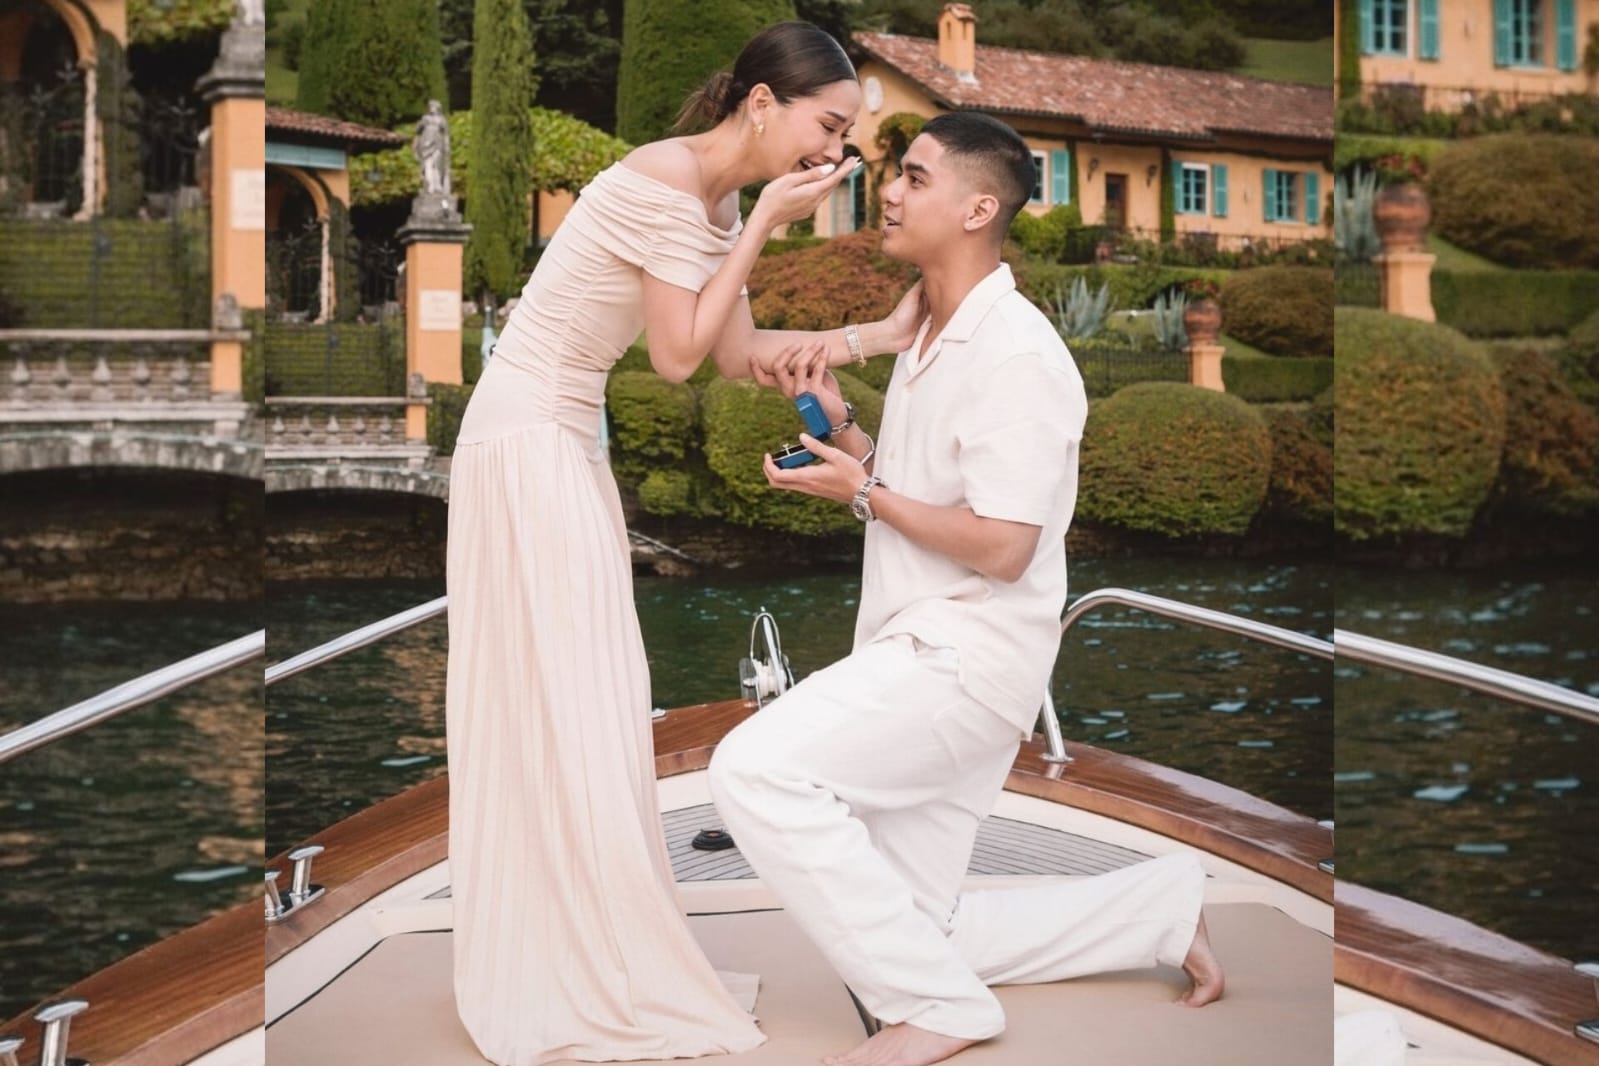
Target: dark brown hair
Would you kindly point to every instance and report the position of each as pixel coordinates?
(793, 59)
(993, 153)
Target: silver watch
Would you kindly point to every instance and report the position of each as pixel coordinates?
(860, 506)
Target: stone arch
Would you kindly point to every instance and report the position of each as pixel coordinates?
(320, 201)
(69, 448)
(84, 29)
(346, 477)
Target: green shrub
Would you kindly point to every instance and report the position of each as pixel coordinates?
(1352, 148)
(1579, 360)
(157, 21)
(108, 273)
(1522, 200)
(341, 359)
(1551, 456)
(1174, 459)
(1420, 430)
(652, 421)
(1301, 486)
(254, 357)
(1320, 416)
(1045, 235)
(444, 415)
(848, 279)
(1276, 380)
(1282, 310)
(1514, 303)
(1357, 285)
(742, 423)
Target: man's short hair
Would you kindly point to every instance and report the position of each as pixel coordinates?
(994, 155)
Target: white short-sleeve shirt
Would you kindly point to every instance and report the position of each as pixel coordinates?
(990, 418)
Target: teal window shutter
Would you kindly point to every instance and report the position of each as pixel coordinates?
(1177, 185)
(1268, 199)
(1218, 192)
(1368, 26)
(1060, 176)
(1312, 197)
(1566, 33)
(1429, 29)
(1502, 16)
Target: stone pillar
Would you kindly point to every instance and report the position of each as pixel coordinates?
(1204, 366)
(235, 87)
(1407, 283)
(434, 239)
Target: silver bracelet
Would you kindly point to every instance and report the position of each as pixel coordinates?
(871, 448)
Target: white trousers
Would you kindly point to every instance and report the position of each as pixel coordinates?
(856, 798)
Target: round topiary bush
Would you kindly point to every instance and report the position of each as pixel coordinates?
(848, 279)
(1551, 457)
(1420, 430)
(1319, 417)
(1283, 310)
(1525, 200)
(1301, 486)
(742, 422)
(650, 417)
(1579, 360)
(1174, 459)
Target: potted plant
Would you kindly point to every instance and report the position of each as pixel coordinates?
(1202, 312)
(1401, 209)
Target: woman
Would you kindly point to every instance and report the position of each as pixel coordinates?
(568, 939)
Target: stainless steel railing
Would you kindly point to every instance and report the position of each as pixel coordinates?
(1179, 611)
(1485, 679)
(359, 638)
(130, 694)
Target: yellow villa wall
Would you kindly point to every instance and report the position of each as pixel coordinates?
(1466, 53)
(1245, 178)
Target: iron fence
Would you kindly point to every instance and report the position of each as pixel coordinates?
(1195, 247)
(1107, 367)
(335, 359)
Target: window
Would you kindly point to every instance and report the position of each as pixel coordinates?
(1192, 198)
(1526, 33)
(849, 204)
(1282, 200)
(1038, 179)
(1385, 25)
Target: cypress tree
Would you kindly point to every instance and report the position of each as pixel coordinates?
(502, 143)
(670, 47)
(376, 62)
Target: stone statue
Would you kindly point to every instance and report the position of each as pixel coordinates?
(252, 12)
(431, 147)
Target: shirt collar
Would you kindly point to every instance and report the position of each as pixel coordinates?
(967, 317)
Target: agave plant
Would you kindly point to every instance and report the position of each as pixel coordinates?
(1354, 227)
(1081, 314)
(1168, 312)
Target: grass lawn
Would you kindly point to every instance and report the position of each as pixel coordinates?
(1458, 260)
(1310, 62)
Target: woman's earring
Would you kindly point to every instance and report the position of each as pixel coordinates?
(760, 129)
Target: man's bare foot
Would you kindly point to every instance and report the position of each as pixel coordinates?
(1203, 969)
(901, 1045)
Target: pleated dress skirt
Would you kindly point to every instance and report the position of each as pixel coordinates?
(569, 939)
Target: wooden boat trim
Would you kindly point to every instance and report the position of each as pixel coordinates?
(173, 1001)
(1462, 975)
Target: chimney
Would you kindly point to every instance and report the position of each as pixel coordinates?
(957, 40)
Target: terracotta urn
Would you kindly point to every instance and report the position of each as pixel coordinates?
(1402, 212)
(1202, 321)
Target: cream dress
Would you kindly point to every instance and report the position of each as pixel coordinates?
(569, 941)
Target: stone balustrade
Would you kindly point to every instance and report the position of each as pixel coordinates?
(362, 429)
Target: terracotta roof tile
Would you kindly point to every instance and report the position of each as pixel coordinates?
(1111, 95)
(323, 127)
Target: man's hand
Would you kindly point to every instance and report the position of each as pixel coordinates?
(907, 318)
(838, 476)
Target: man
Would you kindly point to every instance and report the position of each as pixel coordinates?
(857, 795)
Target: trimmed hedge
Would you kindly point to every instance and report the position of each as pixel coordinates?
(254, 360)
(1301, 485)
(1358, 285)
(1174, 459)
(653, 421)
(1321, 417)
(1420, 431)
(1525, 200)
(1045, 235)
(342, 359)
(1283, 310)
(146, 275)
(1514, 303)
(1276, 380)
(1579, 360)
(444, 415)
(1551, 456)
